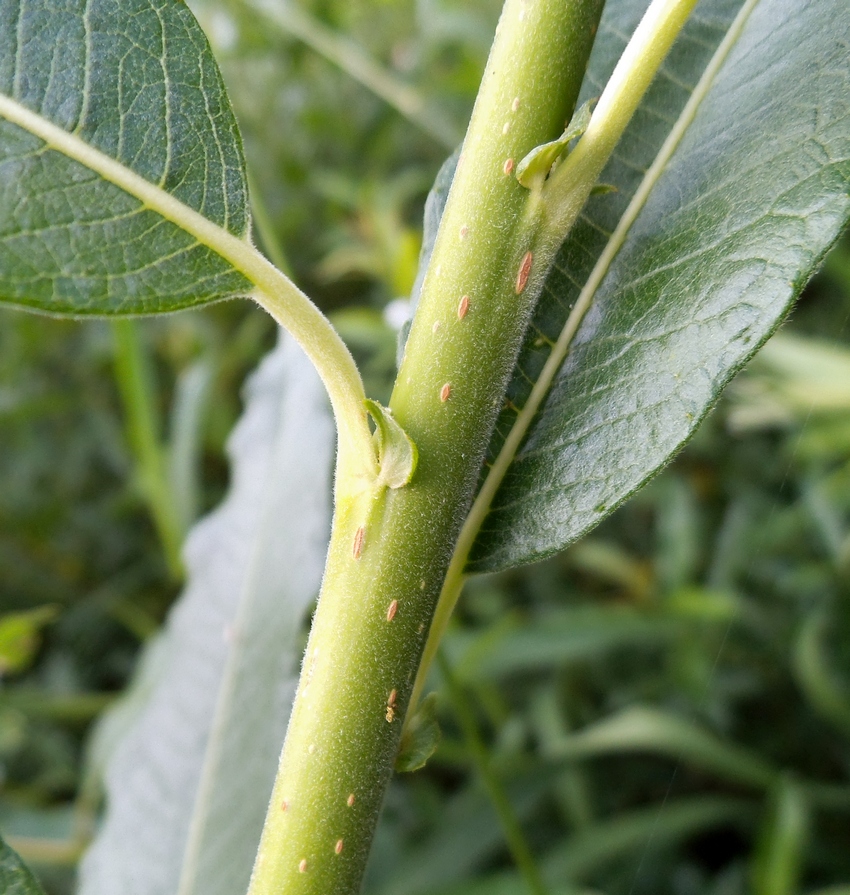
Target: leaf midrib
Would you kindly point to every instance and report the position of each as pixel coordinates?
(236, 250)
(554, 362)
(273, 290)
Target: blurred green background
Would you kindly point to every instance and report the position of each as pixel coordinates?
(664, 708)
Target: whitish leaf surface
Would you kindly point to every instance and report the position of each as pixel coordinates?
(735, 215)
(15, 876)
(116, 139)
(188, 788)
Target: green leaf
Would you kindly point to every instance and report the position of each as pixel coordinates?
(733, 219)
(556, 638)
(635, 832)
(120, 159)
(616, 838)
(420, 737)
(15, 877)
(814, 675)
(188, 787)
(20, 636)
(644, 729)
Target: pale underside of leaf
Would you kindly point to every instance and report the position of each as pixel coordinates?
(188, 787)
(732, 183)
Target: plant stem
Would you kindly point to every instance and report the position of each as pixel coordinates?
(356, 468)
(390, 547)
(510, 824)
(629, 81)
(135, 382)
(562, 198)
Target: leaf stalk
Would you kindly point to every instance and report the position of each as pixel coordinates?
(570, 184)
(290, 307)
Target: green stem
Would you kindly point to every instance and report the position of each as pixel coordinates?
(390, 547)
(356, 468)
(514, 837)
(568, 188)
(135, 382)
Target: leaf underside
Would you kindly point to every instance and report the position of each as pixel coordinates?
(188, 786)
(137, 81)
(735, 224)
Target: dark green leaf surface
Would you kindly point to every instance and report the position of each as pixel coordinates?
(134, 79)
(15, 877)
(434, 205)
(738, 219)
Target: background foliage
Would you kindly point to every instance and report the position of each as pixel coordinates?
(656, 702)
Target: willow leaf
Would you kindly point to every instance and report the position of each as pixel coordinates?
(121, 162)
(15, 876)
(731, 184)
(188, 786)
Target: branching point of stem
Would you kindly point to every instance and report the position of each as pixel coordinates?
(559, 201)
(570, 184)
